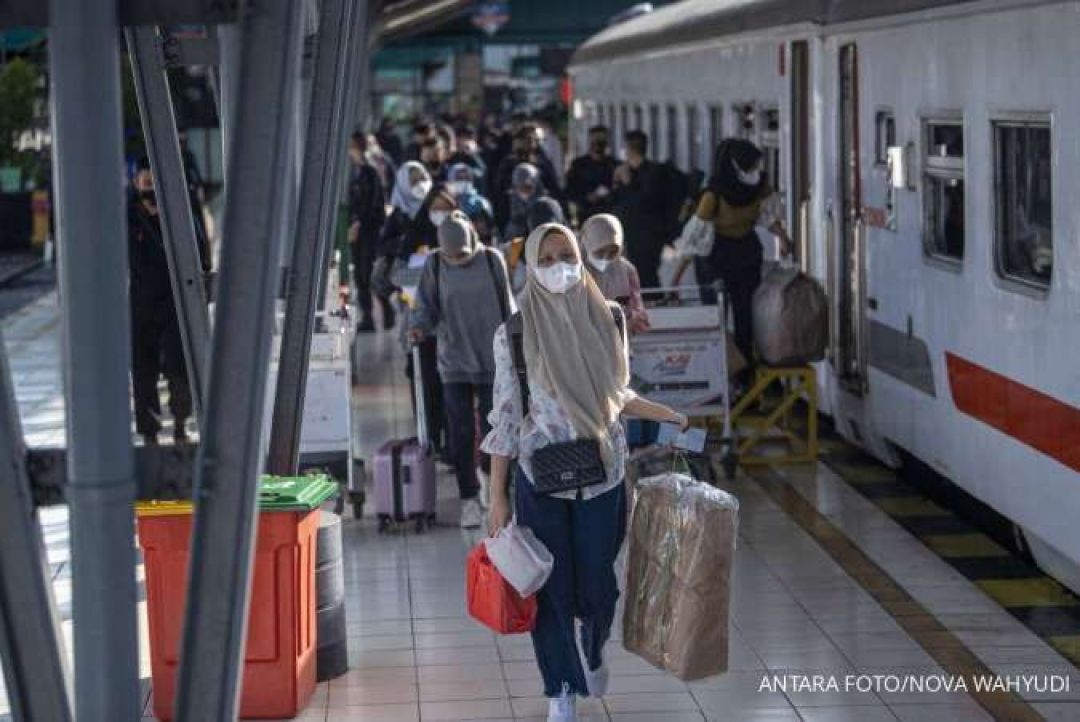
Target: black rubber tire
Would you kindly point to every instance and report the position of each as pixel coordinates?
(331, 624)
(331, 661)
(329, 584)
(331, 657)
(329, 545)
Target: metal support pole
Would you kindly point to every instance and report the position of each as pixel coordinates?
(177, 220)
(228, 461)
(359, 43)
(324, 141)
(92, 233)
(31, 645)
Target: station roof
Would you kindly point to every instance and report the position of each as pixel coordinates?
(700, 20)
(396, 19)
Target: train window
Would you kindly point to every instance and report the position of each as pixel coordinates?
(693, 133)
(624, 125)
(1023, 185)
(716, 129)
(654, 129)
(744, 121)
(943, 189)
(637, 118)
(672, 147)
(884, 135)
(770, 145)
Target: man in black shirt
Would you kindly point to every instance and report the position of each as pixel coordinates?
(526, 149)
(156, 347)
(367, 213)
(641, 204)
(589, 180)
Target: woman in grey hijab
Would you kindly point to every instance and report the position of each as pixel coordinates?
(463, 296)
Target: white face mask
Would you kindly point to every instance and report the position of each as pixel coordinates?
(458, 188)
(600, 264)
(420, 190)
(438, 217)
(751, 179)
(559, 277)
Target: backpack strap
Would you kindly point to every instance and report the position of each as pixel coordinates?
(515, 332)
(489, 256)
(515, 336)
(436, 268)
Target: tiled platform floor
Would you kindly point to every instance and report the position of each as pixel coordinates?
(415, 655)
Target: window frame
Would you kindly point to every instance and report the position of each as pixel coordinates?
(694, 136)
(716, 134)
(1025, 119)
(671, 135)
(942, 169)
(653, 131)
(771, 140)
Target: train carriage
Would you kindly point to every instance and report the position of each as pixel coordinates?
(929, 152)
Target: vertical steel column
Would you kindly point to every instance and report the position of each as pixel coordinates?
(228, 41)
(92, 233)
(177, 220)
(228, 462)
(323, 142)
(359, 43)
(31, 645)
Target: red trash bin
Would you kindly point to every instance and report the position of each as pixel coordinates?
(279, 660)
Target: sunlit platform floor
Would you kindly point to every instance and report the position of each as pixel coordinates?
(825, 584)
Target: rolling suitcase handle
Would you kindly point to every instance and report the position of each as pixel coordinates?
(421, 405)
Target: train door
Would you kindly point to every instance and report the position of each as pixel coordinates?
(800, 151)
(849, 287)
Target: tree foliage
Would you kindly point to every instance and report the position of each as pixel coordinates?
(19, 81)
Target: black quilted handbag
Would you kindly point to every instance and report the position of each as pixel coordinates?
(568, 466)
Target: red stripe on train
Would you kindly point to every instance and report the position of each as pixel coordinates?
(1029, 416)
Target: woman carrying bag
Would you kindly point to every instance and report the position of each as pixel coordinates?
(563, 358)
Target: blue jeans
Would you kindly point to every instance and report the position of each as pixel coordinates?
(584, 537)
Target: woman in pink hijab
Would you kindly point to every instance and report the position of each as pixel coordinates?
(602, 239)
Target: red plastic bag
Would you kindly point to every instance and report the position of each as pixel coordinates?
(491, 599)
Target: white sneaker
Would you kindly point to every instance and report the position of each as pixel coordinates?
(485, 488)
(595, 679)
(562, 708)
(472, 514)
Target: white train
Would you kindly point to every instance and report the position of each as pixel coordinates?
(929, 152)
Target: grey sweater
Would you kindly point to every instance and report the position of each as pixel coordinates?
(465, 314)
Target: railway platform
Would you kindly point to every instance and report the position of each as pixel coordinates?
(839, 612)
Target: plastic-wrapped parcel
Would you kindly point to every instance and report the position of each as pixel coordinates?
(678, 586)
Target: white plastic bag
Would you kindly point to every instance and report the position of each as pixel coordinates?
(521, 558)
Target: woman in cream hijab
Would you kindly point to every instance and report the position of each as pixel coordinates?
(602, 237)
(578, 376)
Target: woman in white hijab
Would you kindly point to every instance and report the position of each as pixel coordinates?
(602, 237)
(578, 376)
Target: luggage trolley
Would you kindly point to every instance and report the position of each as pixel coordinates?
(682, 360)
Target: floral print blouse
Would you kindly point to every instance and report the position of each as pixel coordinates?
(546, 423)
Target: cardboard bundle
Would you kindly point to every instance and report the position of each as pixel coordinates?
(678, 588)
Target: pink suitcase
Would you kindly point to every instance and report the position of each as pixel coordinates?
(404, 476)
